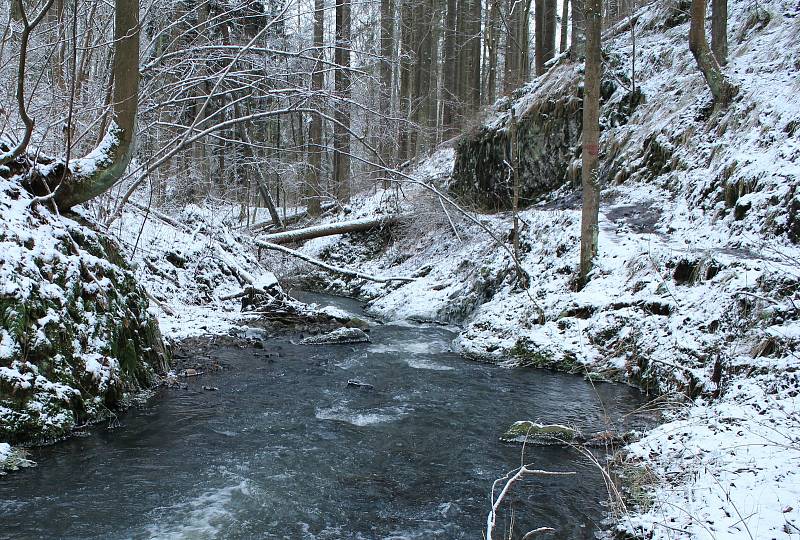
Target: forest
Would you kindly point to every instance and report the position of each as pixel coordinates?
(495, 269)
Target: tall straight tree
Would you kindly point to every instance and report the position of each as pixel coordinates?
(564, 25)
(315, 128)
(545, 33)
(591, 139)
(516, 46)
(341, 128)
(719, 30)
(491, 43)
(406, 74)
(385, 99)
(578, 40)
(450, 107)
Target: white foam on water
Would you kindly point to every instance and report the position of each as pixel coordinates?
(204, 516)
(411, 347)
(418, 363)
(361, 418)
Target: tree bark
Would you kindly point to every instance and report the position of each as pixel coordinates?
(545, 33)
(564, 25)
(578, 41)
(341, 129)
(538, 36)
(549, 37)
(88, 177)
(406, 73)
(449, 74)
(313, 190)
(491, 43)
(591, 139)
(719, 30)
(343, 227)
(385, 96)
(721, 88)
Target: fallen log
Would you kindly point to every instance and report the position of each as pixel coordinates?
(330, 268)
(289, 220)
(329, 229)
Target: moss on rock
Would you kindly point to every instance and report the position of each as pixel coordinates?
(75, 329)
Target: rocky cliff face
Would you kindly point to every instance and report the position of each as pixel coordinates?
(546, 125)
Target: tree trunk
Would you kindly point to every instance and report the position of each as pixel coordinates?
(719, 30)
(449, 75)
(591, 139)
(578, 41)
(491, 53)
(344, 227)
(538, 36)
(313, 190)
(385, 96)
(474, 42)
(341, 129)
(549, 37)
(406, 72)
(721, 88)
(88, 177)
(545, 43)
(564, 25)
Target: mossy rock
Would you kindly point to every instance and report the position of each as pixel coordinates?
(14, 459)
(536, 434)
(76, 331)
(531, 355)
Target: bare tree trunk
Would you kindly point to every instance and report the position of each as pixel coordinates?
(406, 73)
(341, 137)
(538, 36)
(549, 37)
(342, 227)
(385, 95)
(591, 139)
(564, 25)
(719, 30)
(491, 43)
(474, 43)
(92, 175)
(315, 128)
(721, 88)
(449, 75)
(578, 45)
(545, 30)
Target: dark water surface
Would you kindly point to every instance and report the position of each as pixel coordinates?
(285, 449)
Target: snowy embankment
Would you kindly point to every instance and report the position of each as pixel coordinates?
(696, 287)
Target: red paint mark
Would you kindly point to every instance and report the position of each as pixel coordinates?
(592, 149)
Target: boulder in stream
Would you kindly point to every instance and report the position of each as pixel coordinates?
(536, 434)
(338, 336)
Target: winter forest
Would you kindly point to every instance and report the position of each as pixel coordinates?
(400, 269)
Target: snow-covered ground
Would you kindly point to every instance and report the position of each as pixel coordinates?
(189, 265)
(696, 286)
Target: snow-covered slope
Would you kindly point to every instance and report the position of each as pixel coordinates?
(697, 282)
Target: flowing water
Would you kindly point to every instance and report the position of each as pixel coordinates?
(286, 449)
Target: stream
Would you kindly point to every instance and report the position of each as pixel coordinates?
(286, 449)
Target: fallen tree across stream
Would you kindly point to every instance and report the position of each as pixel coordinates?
(330, 268)
(329, 229)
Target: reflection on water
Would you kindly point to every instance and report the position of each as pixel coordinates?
(286, 449)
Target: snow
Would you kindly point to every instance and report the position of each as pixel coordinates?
(189, 269)
(686, 279)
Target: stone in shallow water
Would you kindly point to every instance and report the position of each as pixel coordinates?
(340, 335)
(541, 434)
